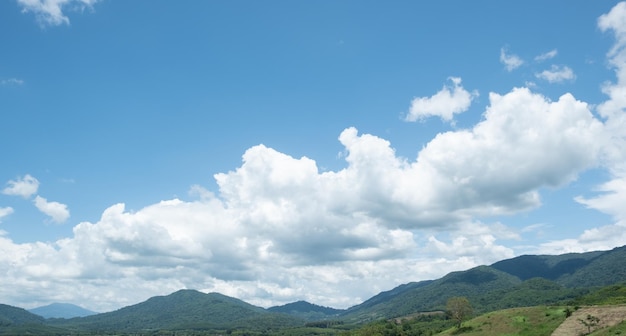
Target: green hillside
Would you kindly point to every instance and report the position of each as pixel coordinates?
(18, 321)
(550, 267)
(574, 270)
(606, 269)
(185, 309)
(433, 295)
(527, 321)
(10, 315)
(517, 282)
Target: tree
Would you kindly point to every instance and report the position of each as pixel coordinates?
(459, 308)
(590, 322)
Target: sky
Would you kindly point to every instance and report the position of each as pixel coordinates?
(276, 151)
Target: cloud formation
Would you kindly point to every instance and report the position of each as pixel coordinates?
(25, 186)
(279, 230)
(56, 211)
(611, 195)
(557, 74)
(5, 211)
(50, 12)
(11, 81)
(546, 56)
(444, 104)
(510, 61)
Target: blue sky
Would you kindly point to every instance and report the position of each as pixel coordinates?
(279, 151)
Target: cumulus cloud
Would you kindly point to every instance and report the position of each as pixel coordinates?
(23, 186)
(556, 74)
(50, 12)
(510, 61)
(58, 212)
(445, 104)
(279, 230)
(546, 56)
(611, 195)
(614, 108)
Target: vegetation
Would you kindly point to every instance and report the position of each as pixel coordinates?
(183, 310)
(459, 309)
(591, 322)
(619, 329)
(609, 295)
(308, 311)
(529, 321)
(10, 315)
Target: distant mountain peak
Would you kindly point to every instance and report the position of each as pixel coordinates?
(61, 310)
(307, 311)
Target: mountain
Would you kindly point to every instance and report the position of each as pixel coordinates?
(522, 281)
(606, 269)
(18, 321)
(61, 310)
(307, 311)
(431, 295)
(550, 267)
(184, 309)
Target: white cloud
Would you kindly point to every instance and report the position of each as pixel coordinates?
(541, 143)
(546, 56)
(556, 74)
(510, 61)
(58, 212)
(614, 109)
(444, 104)
(5, 211)
(279, 230)
(11, 81)
(611, 195)
(25, 186)
(50, 12)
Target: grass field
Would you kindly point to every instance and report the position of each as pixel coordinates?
(531, 321)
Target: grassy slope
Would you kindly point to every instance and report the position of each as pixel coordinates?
(530, 321)
(608, 304)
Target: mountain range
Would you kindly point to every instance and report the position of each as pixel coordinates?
(522, 281)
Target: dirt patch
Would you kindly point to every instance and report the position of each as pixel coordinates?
(608, 316)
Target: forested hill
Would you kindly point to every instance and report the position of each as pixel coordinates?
(572, 269)
(184, 309)
(10, 315)
(521, 281)
(307, 311)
